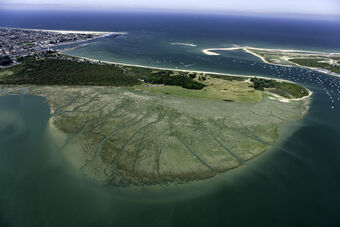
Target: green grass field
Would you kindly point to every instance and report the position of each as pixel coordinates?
(219, 89)
(5, 73)
(316, 63)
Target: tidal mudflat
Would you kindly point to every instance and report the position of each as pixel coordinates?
(124, 136)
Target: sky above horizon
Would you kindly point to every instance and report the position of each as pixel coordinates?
(323, 7)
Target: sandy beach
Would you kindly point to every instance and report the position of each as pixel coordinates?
(98, 33)
(74, 32)
(211, 51)
(163, 68)
(71, 32)
(287, 100)
(184, 44)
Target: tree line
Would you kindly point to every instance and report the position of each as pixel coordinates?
(185, 81)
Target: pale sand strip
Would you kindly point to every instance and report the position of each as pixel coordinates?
(185, 44)
(210, 51)
(163, 68)
(306, 53)
(286, 100)
(72, 31)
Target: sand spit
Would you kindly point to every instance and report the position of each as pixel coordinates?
(210, 51)
(96, 33)
(77, 32)
(173, 69)
(184, 44)
(252, 51)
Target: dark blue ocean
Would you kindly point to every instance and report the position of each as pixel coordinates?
(297, 183)
(252, 30)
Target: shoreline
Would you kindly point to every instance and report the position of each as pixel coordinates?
(320, 70)
(286, 100)
(184, 44)
(185, 70)
(69, 31)
(172, 69)
(210, 51)
(247, 49)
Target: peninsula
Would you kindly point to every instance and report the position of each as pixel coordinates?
(126, 125)
(328, 63)
(18, 42)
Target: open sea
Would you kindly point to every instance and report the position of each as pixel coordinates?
(297, 183)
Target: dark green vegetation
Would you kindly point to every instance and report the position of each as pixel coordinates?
(229, 78)
(261, 84)
(53, 71)
(164, 77)
(5, 60)
(284, 89)
(56, 69)
(316, 63)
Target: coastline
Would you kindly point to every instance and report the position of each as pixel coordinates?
(247, 49)
(70, 31)
(185, 70)
(286, 100)
(99, 34)
(160, 68)
(184, 44)
(320, 70)
(210, 51)
(164, 68)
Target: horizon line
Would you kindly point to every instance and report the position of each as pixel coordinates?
(187, 11)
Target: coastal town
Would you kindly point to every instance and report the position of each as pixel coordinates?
(16, 43)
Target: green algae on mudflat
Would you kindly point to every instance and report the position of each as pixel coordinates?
(126, 137)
